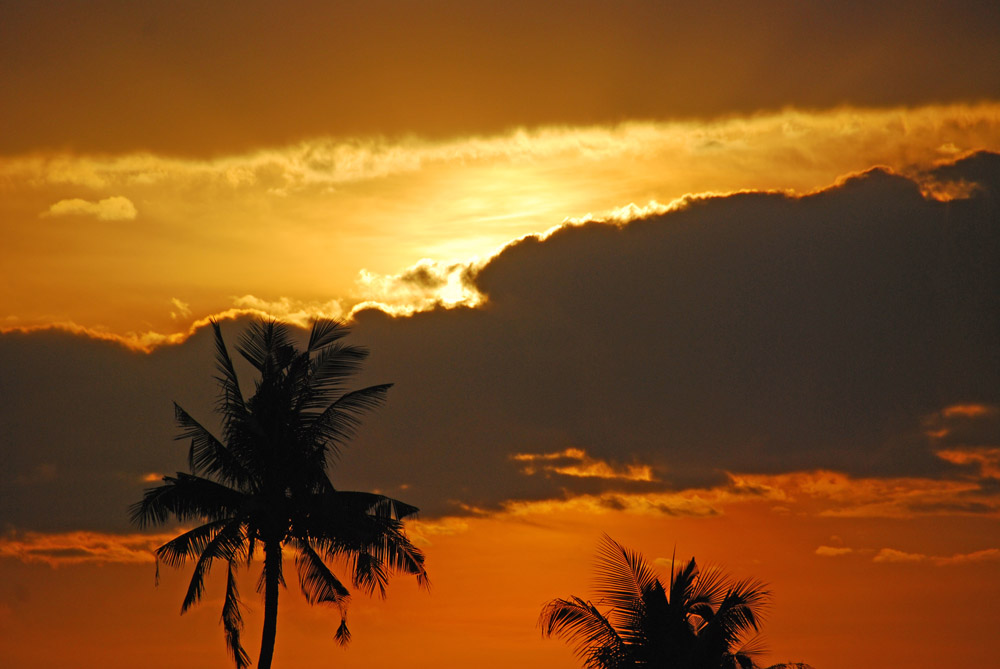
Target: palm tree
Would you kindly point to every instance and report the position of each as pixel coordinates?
(264, 485)
(699, 620)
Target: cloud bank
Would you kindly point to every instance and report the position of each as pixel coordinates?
(348, 217)
(839, 347)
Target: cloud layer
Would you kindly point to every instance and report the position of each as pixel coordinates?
(853, 330)
(352, 218)
(207, 80)
(754, 333)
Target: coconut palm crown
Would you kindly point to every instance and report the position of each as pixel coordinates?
(698, 620)
(263, 484)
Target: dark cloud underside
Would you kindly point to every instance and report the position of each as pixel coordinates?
(203, 78)
(749, 333)
(753, 333)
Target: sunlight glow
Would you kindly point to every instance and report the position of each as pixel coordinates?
(331, 225)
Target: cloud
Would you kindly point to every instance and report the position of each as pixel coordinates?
(899, 137)
(424, 286)
(325, 208)
(833, 551)
(895, 556)
(576, 462)
(609, 64)
(59, 549)
(297, 312)
(116, 208)
(790, 349)
(890, 555)
(837, 495)
(985, 555)
(968, 411)
(987, 459)
(757, 333)
(183, 309)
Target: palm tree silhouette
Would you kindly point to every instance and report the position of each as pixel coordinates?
(700, 620)
(264, 484)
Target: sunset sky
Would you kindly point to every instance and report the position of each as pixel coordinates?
(714, 278)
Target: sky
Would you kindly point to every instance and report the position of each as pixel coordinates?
(719, 280)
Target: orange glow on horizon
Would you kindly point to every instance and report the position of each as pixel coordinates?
(516, 562)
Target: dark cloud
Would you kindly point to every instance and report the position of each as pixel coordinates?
(955, 507)
(203, 78)
(755, 332)
(752, 333)
(423, 277)
(83, 420)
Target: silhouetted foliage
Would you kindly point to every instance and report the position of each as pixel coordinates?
(698, 620)
(264, 484)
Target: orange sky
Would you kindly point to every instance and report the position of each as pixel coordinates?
(721, 280)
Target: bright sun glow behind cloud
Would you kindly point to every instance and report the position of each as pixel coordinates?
(324, 225)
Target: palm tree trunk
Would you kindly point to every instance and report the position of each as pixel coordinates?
(272, 579)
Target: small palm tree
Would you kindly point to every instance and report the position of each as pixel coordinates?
(264, 484)
(699, 620)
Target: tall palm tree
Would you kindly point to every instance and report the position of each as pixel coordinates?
(264, 485)
(698, 620)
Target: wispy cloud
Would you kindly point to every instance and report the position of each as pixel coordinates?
(833, 551)
(575, 462)
(59, 549)
(835, 494)
(297, 312)
(891, 555)
(896, 136)
(181, 308)
(331, 210)
(425, 285)
(116, 208)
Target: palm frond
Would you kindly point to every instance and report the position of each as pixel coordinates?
(373, 504)
(339, 421)
(725, 631)
(225, 545)
(620, 575)
(318, 583)
(230, 395)
(232, 620)
(325, 331)
(331, 369)
(753, 647)
(683, 584)
(742, 609)
(189, 544)
(710, 586)
(207, 454)
(348, 523)
(343, 635)
(578, 622)
(369, 574)
(186, 497)
(401, 555)
(267, 345)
